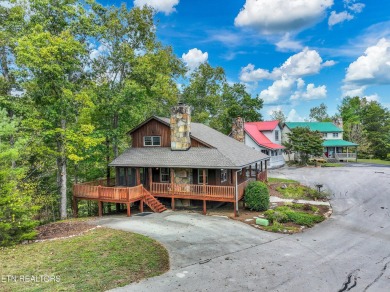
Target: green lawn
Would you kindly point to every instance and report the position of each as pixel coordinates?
(374, 161)
(101, 259)
(282, 180)
(329, 164)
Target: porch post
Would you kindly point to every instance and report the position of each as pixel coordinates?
(235, 192)
(204, 207)
(100, 205)
(347, 155)
(137, 176)
(172, 189)
(204, 180)
(141, 206)
(356, 154)
(128, 209)
(150, 178)
(250, 170)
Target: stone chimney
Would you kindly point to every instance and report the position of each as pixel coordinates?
(180, 127)
(238, 129)
(338, 122)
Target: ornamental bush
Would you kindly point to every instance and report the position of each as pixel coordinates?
(257, 196)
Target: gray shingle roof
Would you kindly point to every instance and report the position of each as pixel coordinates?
(227, 152)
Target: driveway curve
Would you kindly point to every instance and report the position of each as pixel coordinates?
(348, 252)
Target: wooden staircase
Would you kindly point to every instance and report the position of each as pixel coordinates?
(153, 203)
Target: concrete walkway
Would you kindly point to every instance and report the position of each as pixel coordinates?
(348, 252)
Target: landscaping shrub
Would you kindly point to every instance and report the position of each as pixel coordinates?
(284, 214)
(257, 196)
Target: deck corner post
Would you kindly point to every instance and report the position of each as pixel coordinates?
(100, 205)
(235, 210)
(204, 207)
(173, 203)
(128, 209)
(99, 190)
(141, 205)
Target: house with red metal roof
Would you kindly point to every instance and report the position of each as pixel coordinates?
(266, 137)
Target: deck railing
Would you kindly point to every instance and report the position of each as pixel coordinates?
(93, 191)
(195, 190)
(97, 192)
(341, 156)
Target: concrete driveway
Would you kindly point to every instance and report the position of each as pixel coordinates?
(348, 252)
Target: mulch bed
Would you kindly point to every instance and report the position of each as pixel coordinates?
(63, 229)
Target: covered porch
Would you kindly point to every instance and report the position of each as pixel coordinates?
(340, 150)
(145, 184)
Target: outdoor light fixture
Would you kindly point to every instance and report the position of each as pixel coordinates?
(319, 186)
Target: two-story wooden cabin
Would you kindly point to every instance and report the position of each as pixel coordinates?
(174, 158)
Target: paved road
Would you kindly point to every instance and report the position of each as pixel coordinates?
(348, 252)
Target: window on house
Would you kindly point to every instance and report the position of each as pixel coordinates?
(324, 135)
(276, 135)
(152, 141)
(265, 151)
(164, 175)
(122, 179)
(200, 176)
(223, 175)
(335, 135)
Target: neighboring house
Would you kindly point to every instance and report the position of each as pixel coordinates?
(265, 137)
(335, 148)
(176, 159)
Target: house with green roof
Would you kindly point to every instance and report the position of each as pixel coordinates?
(335, 148)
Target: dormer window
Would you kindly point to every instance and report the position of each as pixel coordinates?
(152, 141)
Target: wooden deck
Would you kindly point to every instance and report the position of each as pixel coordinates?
(102, 191)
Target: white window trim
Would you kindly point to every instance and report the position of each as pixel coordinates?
(276, 135)
(161, 174)
(200, 175)
(151, 137)
(223, 175)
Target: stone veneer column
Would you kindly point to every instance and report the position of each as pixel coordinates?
(180, 127)
(238, 130)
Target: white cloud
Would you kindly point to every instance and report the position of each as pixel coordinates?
(328, 63)
(351, 7)
(288, 83)
(165, 6)
(249, 74)
(286, 43)
(293, 116)
(357, 7)
(278, 90)
(310, 93)
(194, 58)
(373, 68)
(372, 97)
(335, 17)
(280, 16)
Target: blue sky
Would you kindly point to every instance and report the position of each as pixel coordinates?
(295, 54)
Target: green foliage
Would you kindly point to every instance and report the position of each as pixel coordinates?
(285, 214)
(296, 191)
(257, 196)
(127, 258)
(366, 123)
(305, 143)
(281, 180)
(16, 208)
(215, 102)
(319, 114)
(280, 116)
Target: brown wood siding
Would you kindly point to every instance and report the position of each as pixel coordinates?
(195, 143)
(152, 128)
(155, 128)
